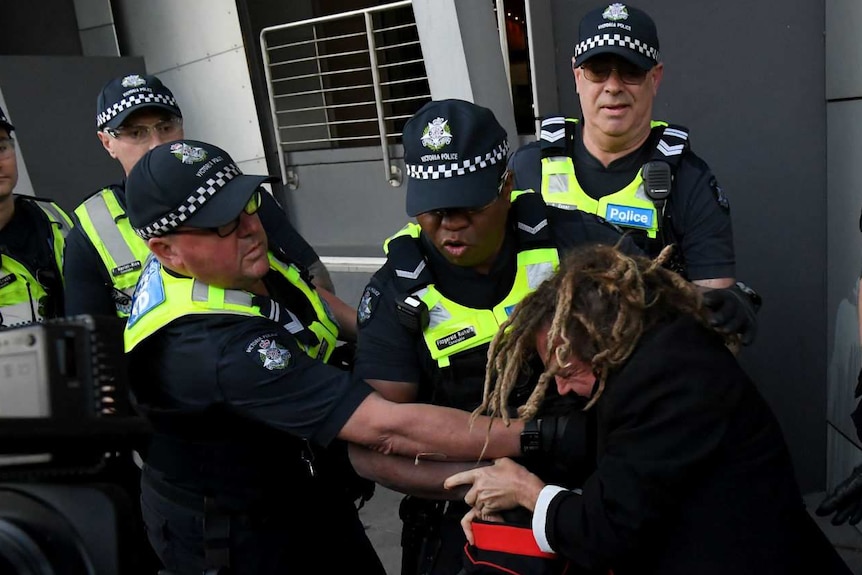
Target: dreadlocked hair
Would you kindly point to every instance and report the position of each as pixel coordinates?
(595, 308)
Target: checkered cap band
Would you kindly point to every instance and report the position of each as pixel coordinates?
(617, 40)
(449, 170)
(175, 219)
(134, 100)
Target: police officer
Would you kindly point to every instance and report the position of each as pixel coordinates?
(633, 171)
(427, 316)
(32, 238)
(135, 113)
(226, 346)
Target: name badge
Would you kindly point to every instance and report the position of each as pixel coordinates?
(456, 338)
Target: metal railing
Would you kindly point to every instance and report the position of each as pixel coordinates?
(345, 80)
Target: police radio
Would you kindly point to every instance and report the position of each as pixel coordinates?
(63, 385)
(658, 179)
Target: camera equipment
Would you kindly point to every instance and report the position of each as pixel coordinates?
(67, 433)
(63, 384)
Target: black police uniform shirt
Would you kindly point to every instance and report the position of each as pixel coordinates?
(388, 351)
(250, 367)
(24, 238)
(89, 289)
(698, 208)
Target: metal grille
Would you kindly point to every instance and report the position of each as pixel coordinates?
(346, 80)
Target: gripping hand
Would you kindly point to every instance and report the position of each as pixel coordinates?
(845, 500)
(733, 310)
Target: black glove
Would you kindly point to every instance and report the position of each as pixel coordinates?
(733, 310)
(845, 500)
(561, 445)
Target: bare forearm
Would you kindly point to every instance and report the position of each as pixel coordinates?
(411, 429)
(418, 477)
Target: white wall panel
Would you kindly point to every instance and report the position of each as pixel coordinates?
(844, 249)
(217, 103)
(170, 33)
(843, 49)
(196, 48)
(93, 13)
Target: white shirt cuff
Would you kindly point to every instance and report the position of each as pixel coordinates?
(540, 514)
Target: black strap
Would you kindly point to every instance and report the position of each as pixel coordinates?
(530, 215)
(556, 137)
(409, 264)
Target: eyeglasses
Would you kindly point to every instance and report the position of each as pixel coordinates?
(470, 212)
(600, 71)
(142, 134)
(229, 228)
(7, 148)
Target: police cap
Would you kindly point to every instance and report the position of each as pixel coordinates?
(126, 94)
(618, 29)
(454, 152)
(186, 183)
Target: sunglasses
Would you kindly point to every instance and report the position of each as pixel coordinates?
(469, 212)
(224, 230)
(600, 70)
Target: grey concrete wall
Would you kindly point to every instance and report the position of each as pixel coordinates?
(51, 101)
(747, 79)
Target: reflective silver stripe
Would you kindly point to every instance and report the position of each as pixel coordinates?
(237, 297)
(294, 325)
(200, 291)
(538, 273)
(109, 233)
(18, 313)
(55, 215)
(558, 183)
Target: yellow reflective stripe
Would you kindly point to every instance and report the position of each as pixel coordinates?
(412, 229)
(454, 328)
(56, 214)
(16, 300)
(117, 251)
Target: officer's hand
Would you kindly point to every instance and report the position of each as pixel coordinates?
(732, 311)
(845, 500)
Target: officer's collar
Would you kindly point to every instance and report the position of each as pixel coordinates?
(634, 160)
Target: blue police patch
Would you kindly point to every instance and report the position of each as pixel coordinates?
(367, 304)
(149, 293)
(720, 197)
(629, 216)
(267, 352)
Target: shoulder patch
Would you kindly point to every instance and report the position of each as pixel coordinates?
(149, 293)
(720, 197)
(367, 304)
(265, 350)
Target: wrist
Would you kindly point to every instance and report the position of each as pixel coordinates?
(531, 437)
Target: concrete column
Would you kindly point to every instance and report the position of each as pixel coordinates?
(461, 48)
